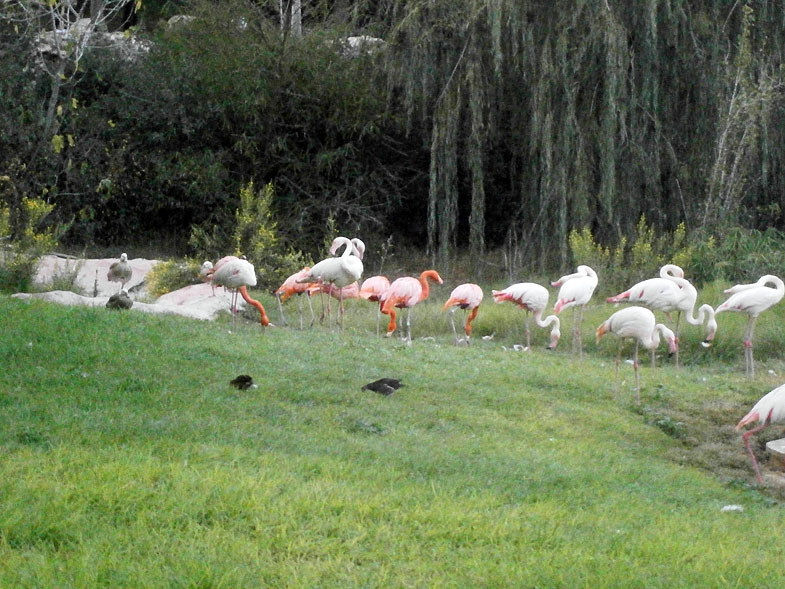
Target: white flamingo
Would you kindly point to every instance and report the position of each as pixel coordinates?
(339, 271)
(752, 299)
(769, 409)
(669, 293)
(639, 324)
(576, 291)
(531, 297)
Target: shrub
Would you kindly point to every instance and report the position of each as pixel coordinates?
(23, 237)
(170, 275)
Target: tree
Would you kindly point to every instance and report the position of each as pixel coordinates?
(62, 32)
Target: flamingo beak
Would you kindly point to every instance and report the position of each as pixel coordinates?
(601, 331)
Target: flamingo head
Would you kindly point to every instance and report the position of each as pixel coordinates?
(601, 331)
(555, 335)
(711, 329)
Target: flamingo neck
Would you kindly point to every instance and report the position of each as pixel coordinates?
(426, 290)
(244, 292)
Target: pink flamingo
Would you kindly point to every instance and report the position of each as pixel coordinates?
(340, 271)
(639, 324)
(769, 409)
(466, 296)
(752, 299)
(291, 286)
(576, 291)
(532, 298)
(404, 293)
(237, 274)
(371, 290)
(669, 293)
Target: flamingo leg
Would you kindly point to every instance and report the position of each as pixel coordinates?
(616, 374)
(310, 306)
(637, 377)
(749, 362)
(234, 308)
(300, 309)
(678, 334)
(340, 309)
(280, 308)
(451, 315)
(576, 330)
(746, 439)
(528, 333)
(409, 326)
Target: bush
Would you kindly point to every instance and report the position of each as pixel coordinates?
(23, 237)
(170, 275)
(256, 237)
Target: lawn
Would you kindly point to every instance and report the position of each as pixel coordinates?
(127, 459)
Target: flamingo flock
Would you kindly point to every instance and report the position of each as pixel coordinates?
(339, 277)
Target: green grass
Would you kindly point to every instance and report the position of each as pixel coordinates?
(127, 460)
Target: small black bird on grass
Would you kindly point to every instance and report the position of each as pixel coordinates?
(242, 382)
(383, 386)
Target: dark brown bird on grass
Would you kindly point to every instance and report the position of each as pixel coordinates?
(121, 300)
(242, 382)
(383, 386)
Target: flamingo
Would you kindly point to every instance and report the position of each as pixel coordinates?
(531, 297)
(351, 291)
(668, 293)
(466, 296)
(576, 290)
(339, 271)
(752, 299)
(120, 271)
(637, 323)
(232, 272)
(404, 293)
(206, 275)
(371, 290)
(292, 286)
(769, 409)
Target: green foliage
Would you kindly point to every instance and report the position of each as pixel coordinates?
(255, 236)
(170, 275)
(738, 255)
(642, 258)
(24, 236)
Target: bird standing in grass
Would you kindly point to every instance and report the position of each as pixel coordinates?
(237, 274)
(466, 296)
(668, 293)
(292, 286)
(769, 409)
(752, 299)
(340, 271)
(639, 324)
(532, 298)
(404, 293)
(576, 291)
(120, 271)
(371, 290)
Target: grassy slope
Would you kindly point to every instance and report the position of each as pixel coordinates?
(126, 459)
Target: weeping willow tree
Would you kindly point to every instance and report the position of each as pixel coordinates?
(544, 116)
